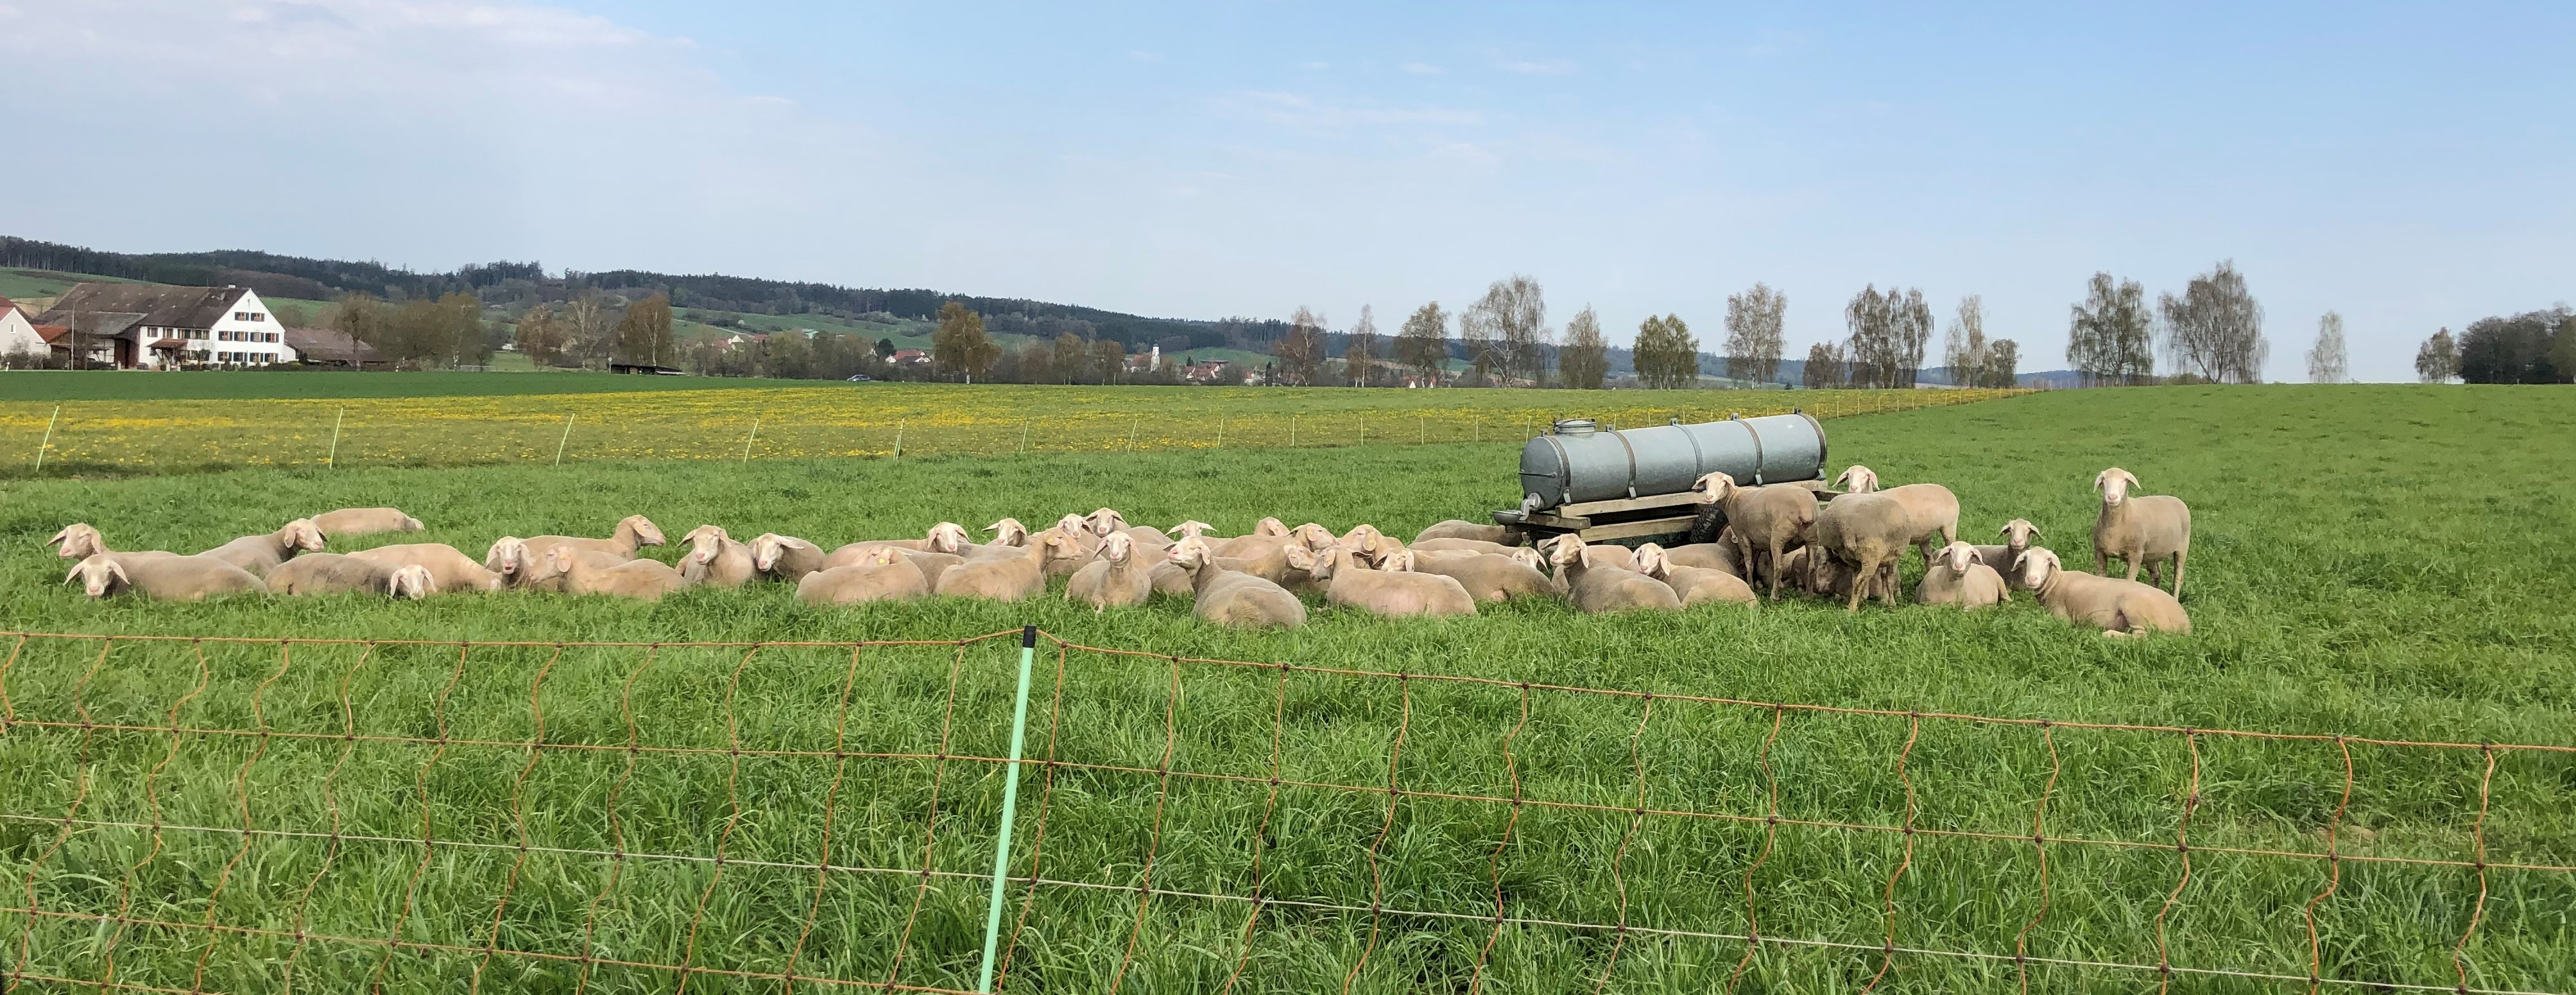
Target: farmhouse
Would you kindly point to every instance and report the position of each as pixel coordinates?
(18, 334)
(145, 326)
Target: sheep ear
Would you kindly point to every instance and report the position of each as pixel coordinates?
(117, 570)
(2034, 530)
(2130, 477)
(59, 537)
(74, 575)
(2101, 478)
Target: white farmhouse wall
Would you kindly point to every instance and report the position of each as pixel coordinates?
(246, 334)
(17, 334)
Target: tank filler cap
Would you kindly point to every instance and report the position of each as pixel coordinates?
(1576, 426)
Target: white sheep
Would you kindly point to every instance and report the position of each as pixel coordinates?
(1868, 531)
(453, 570)
(1595, 586)
(1008, 532)
(1694, 585)
(883, 576)
(2143, 529)
(642, 580)
(1005, 573)
(1486, 576)
(167, 578)
(2017, 536)
(785, 557)
(714, 559)
(523, 568)
(1442, 545)
(1392, 593)
(1105, 521)
(632, 533)
(1461, 529)
(1720, 555)
(1959, 578)
(2117, 607)
(80, 541)
(333, 573)
(1232, 598)
(258, 553)
(1117, 579)
(1931, 509)
(347, 522)
(1767, 521)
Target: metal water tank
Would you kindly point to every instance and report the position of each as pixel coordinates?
(1580, 461)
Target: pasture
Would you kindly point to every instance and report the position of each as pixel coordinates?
(2383, 562)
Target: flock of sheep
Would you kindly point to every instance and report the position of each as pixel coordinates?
(1779, 535)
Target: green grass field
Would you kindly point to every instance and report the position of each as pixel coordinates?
(2388, 562)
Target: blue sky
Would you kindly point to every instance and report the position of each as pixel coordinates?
(2407, 166)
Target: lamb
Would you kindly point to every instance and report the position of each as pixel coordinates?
(451, 570)
(1932, 509)
(1594, 586)
(642, 580)
(1005, 574)
(348, 522)
(1694, 585)
(1459, 529)
(1959, 578)
(1868, 531)
(1231, 598)
(632, 532)
(166, 578)
(883, 576)
(260, 552)
(785, 557)
(333, 573)
(715, 559)
(1486, 576)
(1118, 579)
(2017, 536)
(2118, 607)
(1767, 521)
(1392, 593)
(2142, 530)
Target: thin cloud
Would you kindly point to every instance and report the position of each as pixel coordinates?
(1534, 67)
(1421, 68)
(1297, 110)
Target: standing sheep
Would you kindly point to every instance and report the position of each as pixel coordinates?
(1233, 599)
(1767, 522)
(1932, 509)
(347, 522)
(1117, 579)
(1694, 585)
(1959, 578)
(2144, 530)
(1868, 531)
(1595, 586)
(2115, 606)
(260, 552)
(714, 559)
(167, 578)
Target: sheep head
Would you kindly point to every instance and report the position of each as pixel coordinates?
(1270, 527)
(1063, 546)
(1316, 537)
(560, 560)
(411, 524)
(886, 556)
(765, 551)
(704, 541)
(2114, 484)
(1106, 520)
(646, 533)
(1567, 552)
(1527, 557)
(99, 575)
(508, 555)
(2034, 567)
(1715, 486)
(1193, 528)
(1301, 558)
(302, 535)
(78, 541)
(411, 580)
(1009, 532)
(1399, 561)
(1117, 547)
(1858, 479)
(2018, 533)
(947, 537)
(1957, 556)
(1191, 553)
(1652, 561)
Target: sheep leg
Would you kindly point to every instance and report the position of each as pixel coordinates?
(2177, 587)
(1775, 568)
(2136, 560)
(1861, 582)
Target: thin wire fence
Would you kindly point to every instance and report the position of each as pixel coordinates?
(746, 425)
(261, 814)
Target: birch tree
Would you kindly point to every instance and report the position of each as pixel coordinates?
(1585, 360)
(1753, 333)
(2215, 329)
(2326, 360)
(1423, 345)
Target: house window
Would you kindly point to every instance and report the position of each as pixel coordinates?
(256, 316)
(272, 336)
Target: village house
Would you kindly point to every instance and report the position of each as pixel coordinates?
(151, 327)
(20, 340)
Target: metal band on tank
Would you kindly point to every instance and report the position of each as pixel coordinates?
(1820, 439)
(1738, 418)
(1632, 461)
(1564, 470)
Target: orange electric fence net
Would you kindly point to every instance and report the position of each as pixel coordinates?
(236, 815)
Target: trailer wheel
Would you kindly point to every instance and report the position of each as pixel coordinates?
(1711, 521)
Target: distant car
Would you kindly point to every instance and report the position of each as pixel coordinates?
(860, 378)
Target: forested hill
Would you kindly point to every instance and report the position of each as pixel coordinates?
(507, 283)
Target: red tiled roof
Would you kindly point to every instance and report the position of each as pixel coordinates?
(52, 333)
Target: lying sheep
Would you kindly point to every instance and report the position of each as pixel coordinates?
(1594, 586)
(1149, 537)
(1009, 532)
(1767, 521)
(2117, 607)
(1441, 545)
(714, 559)
(1721, 555)
(1458, 529)
(632, 532)
(1694, 585)
(1959, 578)
(80, 541)
(883, 576)
(166, 578)
(1931, 508)
(1603, 554)
(1392, 593)
(1105, 521)
(1117, 579)
(333, 573)
(1868, 531)
(642, 580)
(932, 565)
(2017, 536)
(260, 552)
(1005, 574)
(785, 557)
(865, 550)
(452, 570)
(1266, 532)
(1486, 576)
(364, 521)
(2145, 529)
(1231, 598)
(522, 568)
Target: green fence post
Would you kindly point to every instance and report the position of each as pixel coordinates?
(560, 443)
(333, 460)
(746, 442)
(1010, 807)
(1292, 430)
(1024, 435)
(1131, 432)
(49, 438)
(898, 438)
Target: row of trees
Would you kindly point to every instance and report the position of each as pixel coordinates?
(2531, 347)
(446, 331)
(588, 330)
(2212, 332)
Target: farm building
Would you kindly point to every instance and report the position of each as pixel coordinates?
(18, 334)
(330, 347)
(145, 326)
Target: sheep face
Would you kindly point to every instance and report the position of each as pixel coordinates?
(1958, 555)
(2019, 532)
(1316, 537)
(1189, 554)
(559, 560)
(1117, 547)
(704, 541)
(1193, 528)
(1009, 532)
(765, 551)
(1715, 485)
(1652, 562)
(2114, 484)
(1527, 557)
(303, 536)
(412, 581)
(78, 541)
(1400, 561)
(1301, 558)
(1106, 520)
(1858, 479)
(508, 556)
(99, 576)
(1567, 552)
(1270, 527)
(947, 537)
(646, 533)
(2034, 566)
